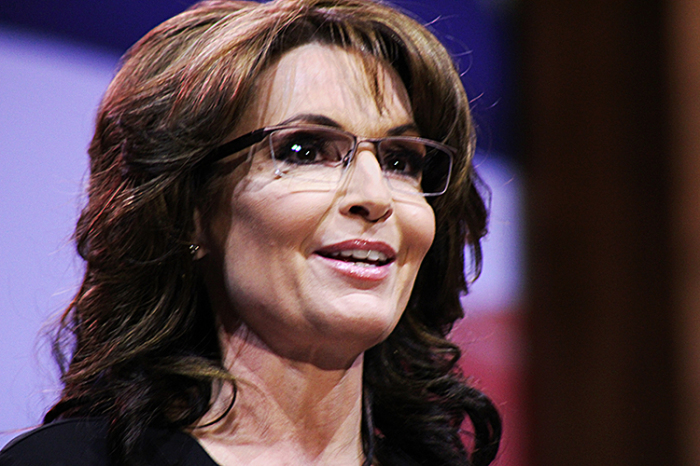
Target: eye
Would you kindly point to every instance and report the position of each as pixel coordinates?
(304, 147)
(403, 158)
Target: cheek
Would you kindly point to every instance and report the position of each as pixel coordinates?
(268, 235)
(255, 254)
(276, 220)
(258, 233)
(418, 232)
(418, 227)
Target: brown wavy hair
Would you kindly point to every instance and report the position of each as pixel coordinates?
(138, 342)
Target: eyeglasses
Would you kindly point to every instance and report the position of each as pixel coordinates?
(320, 155)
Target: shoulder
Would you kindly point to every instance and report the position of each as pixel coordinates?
(83, 442)
(74, 442)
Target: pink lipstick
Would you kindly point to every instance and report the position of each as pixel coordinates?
(362, 259)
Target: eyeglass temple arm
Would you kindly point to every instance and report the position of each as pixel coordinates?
(234, 146)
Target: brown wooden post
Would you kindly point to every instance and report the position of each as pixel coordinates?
(684, 31)
(599, 164)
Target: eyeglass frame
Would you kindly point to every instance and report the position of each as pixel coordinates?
(256, 136)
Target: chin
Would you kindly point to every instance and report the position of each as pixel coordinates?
(365, 326)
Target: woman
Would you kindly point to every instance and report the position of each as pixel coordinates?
(279, 199)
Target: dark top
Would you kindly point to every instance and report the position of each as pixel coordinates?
(83, 442)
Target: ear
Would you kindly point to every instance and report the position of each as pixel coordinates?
(200, 244)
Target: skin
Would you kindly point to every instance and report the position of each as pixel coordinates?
(293, 323)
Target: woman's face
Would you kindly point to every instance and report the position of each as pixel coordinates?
(285, 257)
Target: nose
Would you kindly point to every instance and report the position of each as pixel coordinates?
(365, 192)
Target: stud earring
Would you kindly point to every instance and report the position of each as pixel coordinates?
(194, 248)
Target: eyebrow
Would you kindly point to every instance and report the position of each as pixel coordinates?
(403, 129)
(313, 119)
(322, 120)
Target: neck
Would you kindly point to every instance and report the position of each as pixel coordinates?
(286, 411)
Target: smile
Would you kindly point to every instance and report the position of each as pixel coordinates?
(360, 252)
(369, 257)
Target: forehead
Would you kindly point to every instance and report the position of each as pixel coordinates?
(333, 82)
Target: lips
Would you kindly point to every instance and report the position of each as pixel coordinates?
(360, 252)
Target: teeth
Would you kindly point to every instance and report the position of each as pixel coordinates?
(361, 255)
